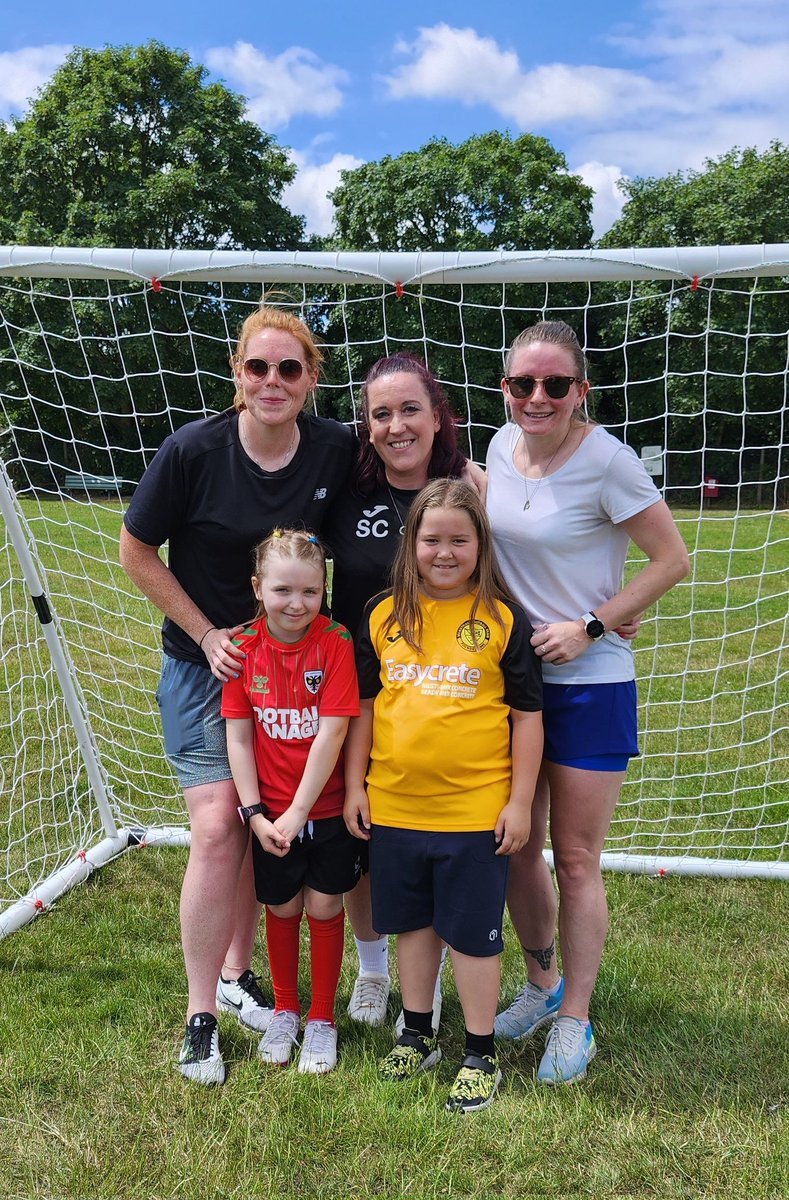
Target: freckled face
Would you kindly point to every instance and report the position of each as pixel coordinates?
(539, 415)
(273, 400)
(402, 427)
(447, 552)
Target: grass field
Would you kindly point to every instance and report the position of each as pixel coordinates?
(688, 1095)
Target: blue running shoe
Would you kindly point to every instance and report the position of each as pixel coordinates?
(531, 1008)
(569, 1050)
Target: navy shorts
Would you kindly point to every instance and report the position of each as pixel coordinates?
(592, 726)
(325, 858)
(452, 882)
(190, 702)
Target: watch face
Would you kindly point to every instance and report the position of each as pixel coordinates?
(595, 629)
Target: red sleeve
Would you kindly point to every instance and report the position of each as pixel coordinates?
(235, 701)
(340, 691)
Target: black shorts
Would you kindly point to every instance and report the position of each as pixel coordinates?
(325, 858)
(452, 882)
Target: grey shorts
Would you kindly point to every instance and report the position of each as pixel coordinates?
(190, 700)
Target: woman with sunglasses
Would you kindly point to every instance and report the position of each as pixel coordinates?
(215, 488)
(565, 499)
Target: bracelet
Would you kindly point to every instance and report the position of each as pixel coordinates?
(210, 629)
(249, 811)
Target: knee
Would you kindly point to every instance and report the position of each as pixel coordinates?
(321, 907)
(216, 837)
(576, 867)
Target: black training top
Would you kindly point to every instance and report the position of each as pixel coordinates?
(213, 503)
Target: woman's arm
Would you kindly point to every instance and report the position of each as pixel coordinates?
(321, 760)
(474, 475)
(514, 823)
(655, 533)
(241, 756)
(358, 745)
(155, 580)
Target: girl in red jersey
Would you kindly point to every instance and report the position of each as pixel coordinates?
(287, 714)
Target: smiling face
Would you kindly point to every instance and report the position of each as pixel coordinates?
(273, 401)
(539, 415)
(402, 427)
(291, 592)
(447, 551)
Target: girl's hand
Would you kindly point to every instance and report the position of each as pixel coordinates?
(356, 813)
(562, 642)
(224, 658)
(513, 828)
(291, 823)
(270, 838)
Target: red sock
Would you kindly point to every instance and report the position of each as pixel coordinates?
(327, 941)
(282, 938)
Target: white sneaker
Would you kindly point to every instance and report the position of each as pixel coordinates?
(318, 1048)
(437, 1004)
(369, 998)
(276, 1045)
(200, 1059)
(244, 999)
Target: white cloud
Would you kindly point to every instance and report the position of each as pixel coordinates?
(308, 194)
(23, 72)
(289, 85)
(608, 200)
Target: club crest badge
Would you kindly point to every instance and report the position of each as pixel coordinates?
(473, 635)
(313, 681)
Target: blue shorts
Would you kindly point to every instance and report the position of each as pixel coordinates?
(452, 882)
(592, 726)
(190, 701)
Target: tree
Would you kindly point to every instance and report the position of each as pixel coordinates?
(722, 361)
(491, 192)
(128, 146)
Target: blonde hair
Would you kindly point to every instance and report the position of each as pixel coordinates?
(267, 316)
(555, 333)
(486, 578)
(295, 544)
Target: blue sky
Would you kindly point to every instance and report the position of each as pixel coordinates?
(645, 87)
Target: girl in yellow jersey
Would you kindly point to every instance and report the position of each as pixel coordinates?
(440, 772)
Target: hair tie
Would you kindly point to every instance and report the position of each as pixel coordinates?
(312, 540)
(276, 533)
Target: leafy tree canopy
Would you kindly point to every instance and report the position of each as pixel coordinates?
(128, 146)
(491, 192)
(740, 198)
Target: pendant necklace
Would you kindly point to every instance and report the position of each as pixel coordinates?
(399, 515)
(529, 498)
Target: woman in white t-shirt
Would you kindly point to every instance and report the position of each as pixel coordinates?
(565, 499)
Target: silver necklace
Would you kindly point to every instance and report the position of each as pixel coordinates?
(248, 449)
(530, 498)
(399, 515)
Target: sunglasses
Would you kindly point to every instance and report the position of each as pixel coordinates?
(290, 370)
(555, 386)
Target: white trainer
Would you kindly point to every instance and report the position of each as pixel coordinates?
(318, 1048)
(200, 1059)
(276, 1045)
(244, 999)
(369, 999)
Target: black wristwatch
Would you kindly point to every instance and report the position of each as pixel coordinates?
(595, 629)
(251, 810)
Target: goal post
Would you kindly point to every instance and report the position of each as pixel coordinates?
(103, 352)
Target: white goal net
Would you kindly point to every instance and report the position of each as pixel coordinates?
(103, 352)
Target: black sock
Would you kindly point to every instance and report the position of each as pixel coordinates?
(421, 1023)
(480, 1043)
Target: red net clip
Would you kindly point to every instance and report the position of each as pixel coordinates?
(39, 905)
(694, 283)
(82, 856)
(156, 284)
(399, 290)
(662, 873)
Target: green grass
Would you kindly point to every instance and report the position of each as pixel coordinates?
(686, 1098)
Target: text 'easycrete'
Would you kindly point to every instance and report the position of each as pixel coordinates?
(435, 673)
(290, 724)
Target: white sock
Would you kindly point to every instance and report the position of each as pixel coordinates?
(373, 956)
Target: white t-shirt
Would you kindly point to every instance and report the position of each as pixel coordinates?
(564, 555)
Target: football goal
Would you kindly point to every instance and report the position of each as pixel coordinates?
(104, 352)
